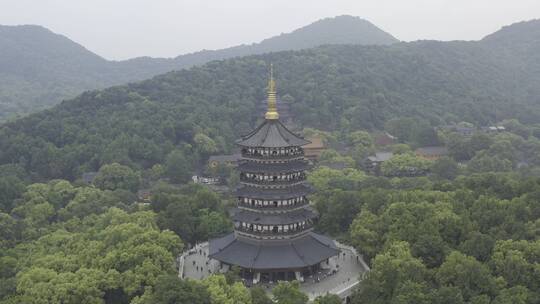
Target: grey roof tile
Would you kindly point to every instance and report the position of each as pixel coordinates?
(272, 134)
(302, 252)
(279, 193)
(259, 167)
(290, 217)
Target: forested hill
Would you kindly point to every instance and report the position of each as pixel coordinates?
(516, 34)
(39, 68)
(345, 88)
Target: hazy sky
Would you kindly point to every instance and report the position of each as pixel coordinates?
(120, 29)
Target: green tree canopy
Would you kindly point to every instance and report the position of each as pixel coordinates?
(288, 293)
(116, 176)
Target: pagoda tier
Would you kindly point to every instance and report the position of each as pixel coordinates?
(273, 220)
(285, 166)
(256, 193)
(275, 223)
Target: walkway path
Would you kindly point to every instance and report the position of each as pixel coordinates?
(340, 278)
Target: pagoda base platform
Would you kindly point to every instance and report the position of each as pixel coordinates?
(269, 257)
(339, 276)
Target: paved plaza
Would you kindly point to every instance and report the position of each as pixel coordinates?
(339, 276)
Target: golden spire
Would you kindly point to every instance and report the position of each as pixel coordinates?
(272, 112)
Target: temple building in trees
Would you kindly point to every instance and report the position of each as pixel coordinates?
(273, 236)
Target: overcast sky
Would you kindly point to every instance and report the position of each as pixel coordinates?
(121, 29)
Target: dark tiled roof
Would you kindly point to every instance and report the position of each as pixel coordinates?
(291, 217)
(258, 167)
(271, 134)
(281, 193)
(307, 250)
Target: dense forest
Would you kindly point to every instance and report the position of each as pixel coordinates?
(472, 238)
(464, 231)
(39, 68)
(200, 111)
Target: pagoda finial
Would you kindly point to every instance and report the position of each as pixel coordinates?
(272, 112)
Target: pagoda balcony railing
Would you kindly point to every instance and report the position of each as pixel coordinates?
(273, 157)
(272, 185)
(273, 182)
(267, 233)
(273, 208)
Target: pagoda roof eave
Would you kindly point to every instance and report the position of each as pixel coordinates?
(287, 218)
(260, 167)
(271, 134)
(305, 251)
(282, 193)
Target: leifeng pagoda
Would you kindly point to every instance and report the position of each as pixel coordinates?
(273, 236)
